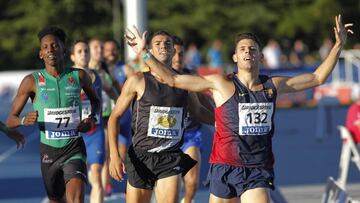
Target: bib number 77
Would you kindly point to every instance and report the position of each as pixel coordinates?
(66, 121)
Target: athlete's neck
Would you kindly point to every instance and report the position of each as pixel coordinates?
(94, 64)
(249, 78)
(55, 71)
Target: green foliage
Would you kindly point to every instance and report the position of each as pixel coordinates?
(201, 21)
(21, 20)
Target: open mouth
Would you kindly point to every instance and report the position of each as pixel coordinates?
(52, 57)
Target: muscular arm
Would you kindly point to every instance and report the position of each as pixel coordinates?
(26, 90)
(319, 76)
(309, 80)
(192, 83)
(128, 94)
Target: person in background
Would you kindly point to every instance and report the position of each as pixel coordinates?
(353, 121)
(193, 56)
(272, 54)
(108, 95)
(214, 56)
(192, 134)
(298, 53)
(325, 48)
(119, 73)
(95, 138)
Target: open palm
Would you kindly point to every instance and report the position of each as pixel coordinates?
(134, 40)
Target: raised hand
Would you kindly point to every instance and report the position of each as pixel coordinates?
(134, 40)
(341, 30)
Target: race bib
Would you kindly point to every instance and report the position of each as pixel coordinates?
(165, 122)
(86, 111)
(255, 118)
(61, 123)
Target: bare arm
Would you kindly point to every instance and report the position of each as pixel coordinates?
(87, 124)
(319, 76)
(26, 90)
(86, 85)
(128, 94)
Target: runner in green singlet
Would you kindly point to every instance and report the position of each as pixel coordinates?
(55, 94)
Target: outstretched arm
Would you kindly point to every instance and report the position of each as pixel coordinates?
(319, 76)
(187, 82)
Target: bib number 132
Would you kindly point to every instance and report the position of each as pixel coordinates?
(256, 118)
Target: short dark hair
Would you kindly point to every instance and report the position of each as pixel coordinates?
(153, 34)
(117, 44)
(177, 40)
(52, 30)
(247, 35)
(75, 43)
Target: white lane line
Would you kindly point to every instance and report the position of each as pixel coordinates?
(13, 149)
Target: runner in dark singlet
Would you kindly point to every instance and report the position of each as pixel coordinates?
(154, 160)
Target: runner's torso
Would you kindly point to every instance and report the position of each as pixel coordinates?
(245, 126)
(158, 117)
(58, 105)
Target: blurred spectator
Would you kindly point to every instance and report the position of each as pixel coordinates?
(272, 54)
(193, 56)
(297, 55)
(325, 48)
(214, 56)
(353, 121)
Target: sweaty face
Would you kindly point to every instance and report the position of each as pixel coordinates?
(247, 54)
(162, 48)
(111, 52)
(81, 55)
(178, 58)
(96, 50)
(51, 50)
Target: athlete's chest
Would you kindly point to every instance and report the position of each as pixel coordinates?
(58, 92)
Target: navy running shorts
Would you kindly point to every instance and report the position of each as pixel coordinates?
(227, 181)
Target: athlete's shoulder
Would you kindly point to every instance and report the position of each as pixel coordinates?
(136, 77)
(30, 77)
(218, 78)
